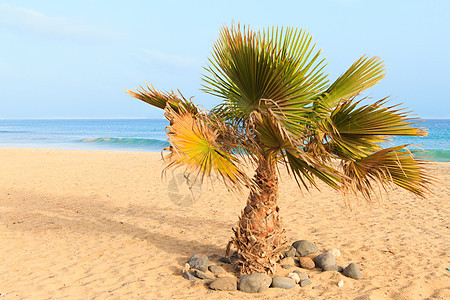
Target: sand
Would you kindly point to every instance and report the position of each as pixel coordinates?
(100, 224)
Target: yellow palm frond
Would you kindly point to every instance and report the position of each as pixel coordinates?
(194, 146)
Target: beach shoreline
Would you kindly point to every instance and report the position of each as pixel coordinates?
(106, 224)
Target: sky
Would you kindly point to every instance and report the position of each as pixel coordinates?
(74, 59)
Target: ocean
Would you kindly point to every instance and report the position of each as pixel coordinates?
(149, 135)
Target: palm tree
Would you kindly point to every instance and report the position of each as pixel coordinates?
(278, 110)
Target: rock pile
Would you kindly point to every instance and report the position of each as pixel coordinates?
(302, 254)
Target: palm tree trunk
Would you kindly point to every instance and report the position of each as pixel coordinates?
(259, 236)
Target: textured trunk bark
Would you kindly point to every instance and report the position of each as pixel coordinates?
(259, 236)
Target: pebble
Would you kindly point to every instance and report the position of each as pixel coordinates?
(283, 283)
(304, 248)
(325, 259)
(295, 277)
(287, 261)
(317, 287)
(225, 260)
(255, 283)
(306, 263)
(224, 284)
(331, 268)
(199, 262)
(305, 282)
(287, 266)
(352, 271)
(189, 275)
(216, 270)
(291, 252)
(335, 252)
(203, 275)
(340, 283)
(301, 274)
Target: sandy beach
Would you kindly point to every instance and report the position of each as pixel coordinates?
(105, 225)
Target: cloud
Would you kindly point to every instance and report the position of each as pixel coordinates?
(36, 23)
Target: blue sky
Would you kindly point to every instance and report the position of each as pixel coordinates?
(73, 59)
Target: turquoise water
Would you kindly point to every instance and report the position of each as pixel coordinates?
(149, 135)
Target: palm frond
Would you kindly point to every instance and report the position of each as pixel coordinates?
(391, 165)
(356, 131)
(305, 169)
(280, 65)
(194, 146)
(363, 74)
(154, 97)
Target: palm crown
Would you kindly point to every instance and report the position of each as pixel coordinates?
(279, 108)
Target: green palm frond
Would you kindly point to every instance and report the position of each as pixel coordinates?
(391, 165)
(356, 131)
(363, 74)
(279, 65)
(305, 169)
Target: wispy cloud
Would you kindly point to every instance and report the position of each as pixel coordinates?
(37, 23)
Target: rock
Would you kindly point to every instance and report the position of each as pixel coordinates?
(224, 284)
(325, 259)
(287, 266)
(199, 262)
(225, 260)
(304, 248)
(306, 263)
(213, 256)
(295, 277)
(301, 274)
(340, 269)
(290, 252)
(254, 283)
(317, 287)
(330, 268)
(189, 275)
(305, 282)
(340, 283)
(335, 252)
(283, 283)
(287, 261)
(352, 271)
(203, 275)
(216, 270)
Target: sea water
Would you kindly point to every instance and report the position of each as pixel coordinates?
(149, 135)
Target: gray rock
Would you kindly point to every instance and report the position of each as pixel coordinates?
(352, 271)
(304, 248)
(287, 266)
(305, 282)
(203, 275)
(325, 259)
(330, 268)
(301, 274)
(199, 262)
(255, 283)
(340, 269)
(224, 284)
(216, 270)
(282, 283)
(225, 260)
(189, 275)
(290, 252)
